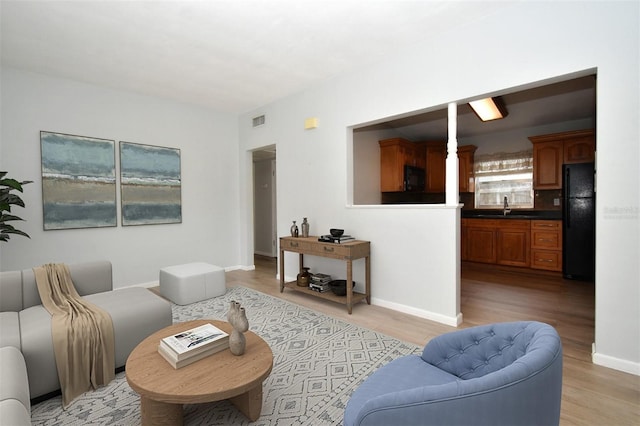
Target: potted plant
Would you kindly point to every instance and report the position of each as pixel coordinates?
(7, 199)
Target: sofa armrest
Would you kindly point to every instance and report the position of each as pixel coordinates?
(14, 384)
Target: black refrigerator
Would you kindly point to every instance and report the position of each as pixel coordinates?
(578, 225)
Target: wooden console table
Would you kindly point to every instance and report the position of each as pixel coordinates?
(348, 252)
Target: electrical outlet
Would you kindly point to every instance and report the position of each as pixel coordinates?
(556, 201)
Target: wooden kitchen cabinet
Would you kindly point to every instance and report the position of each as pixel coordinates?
(496, 241)
(546, 245)
(551, 151)
(436, 158)
(513, 243)
(479, 243)
(395, 153)
(547, 164)
(580, 148)
(465, 167)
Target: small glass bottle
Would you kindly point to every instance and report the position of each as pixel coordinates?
(305, 227)
(294, 229)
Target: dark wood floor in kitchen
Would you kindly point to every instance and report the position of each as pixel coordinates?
(592, 395)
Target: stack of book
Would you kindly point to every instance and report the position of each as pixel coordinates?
(320, 282)
(337, 240)
(192, 345)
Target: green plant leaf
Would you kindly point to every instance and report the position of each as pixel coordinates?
(11, 183)
(7, 199)
(8, 217)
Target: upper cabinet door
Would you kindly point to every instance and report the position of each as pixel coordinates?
(436, 153)
(547, 165)
(580, 150)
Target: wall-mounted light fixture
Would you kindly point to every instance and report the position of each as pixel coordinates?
(489, 108)
(311, 123)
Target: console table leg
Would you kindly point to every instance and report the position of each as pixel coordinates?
(160, 413)
(367, 278)
(281, 270)
(349, 286)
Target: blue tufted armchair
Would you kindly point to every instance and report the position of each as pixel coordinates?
(498, 374)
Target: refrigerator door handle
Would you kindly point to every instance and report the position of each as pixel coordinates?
(567, 186)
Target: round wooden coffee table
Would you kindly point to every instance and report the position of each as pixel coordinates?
(163, 389)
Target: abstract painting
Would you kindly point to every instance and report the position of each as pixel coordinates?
(78, 181)
(150, 184)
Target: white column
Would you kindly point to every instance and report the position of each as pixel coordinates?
(452, 197)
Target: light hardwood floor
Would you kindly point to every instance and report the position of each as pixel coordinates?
(591, 395)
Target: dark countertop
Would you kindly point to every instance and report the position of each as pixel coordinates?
(514, 214)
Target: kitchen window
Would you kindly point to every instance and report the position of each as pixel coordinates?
(504, 175)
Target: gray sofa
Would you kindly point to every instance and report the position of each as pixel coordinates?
(26, 325)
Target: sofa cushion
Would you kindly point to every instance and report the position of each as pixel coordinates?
(9, 329)
(133, 305)
(87, 277)
(14, 384)
(10, 291)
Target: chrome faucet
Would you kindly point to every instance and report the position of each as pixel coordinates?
(506, 209)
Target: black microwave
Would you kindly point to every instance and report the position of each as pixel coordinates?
(413, 179)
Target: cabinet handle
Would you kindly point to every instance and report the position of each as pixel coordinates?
(546, 240)
(329, 249)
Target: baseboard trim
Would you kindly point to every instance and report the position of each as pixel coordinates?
(431, 316)
(616, 363)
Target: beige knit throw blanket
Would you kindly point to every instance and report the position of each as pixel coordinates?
(82, 333)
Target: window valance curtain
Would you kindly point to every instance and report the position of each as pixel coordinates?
(503, 163)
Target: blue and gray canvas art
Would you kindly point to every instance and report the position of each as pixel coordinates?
(78, 181)
(150, 184)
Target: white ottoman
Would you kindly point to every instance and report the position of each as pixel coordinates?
(192, 282)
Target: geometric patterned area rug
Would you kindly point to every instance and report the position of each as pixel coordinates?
(318, 362)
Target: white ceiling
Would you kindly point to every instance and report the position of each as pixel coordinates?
(234, 55)
(230, 55)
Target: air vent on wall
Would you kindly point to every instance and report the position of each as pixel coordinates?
(258, 121)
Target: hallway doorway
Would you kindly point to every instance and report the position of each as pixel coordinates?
(264, 202)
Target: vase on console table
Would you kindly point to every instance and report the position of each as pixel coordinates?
(237, 317)
(305, 227)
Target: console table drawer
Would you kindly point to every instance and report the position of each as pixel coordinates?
(297, 245)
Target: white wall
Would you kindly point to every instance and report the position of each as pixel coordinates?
(208, 144)
(414, 249)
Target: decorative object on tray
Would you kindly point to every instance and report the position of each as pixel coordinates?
(294, 229)
(237, 317)
(192, 345)
(305, 227)
(336, 233)
(339, 287)
(304, 277)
